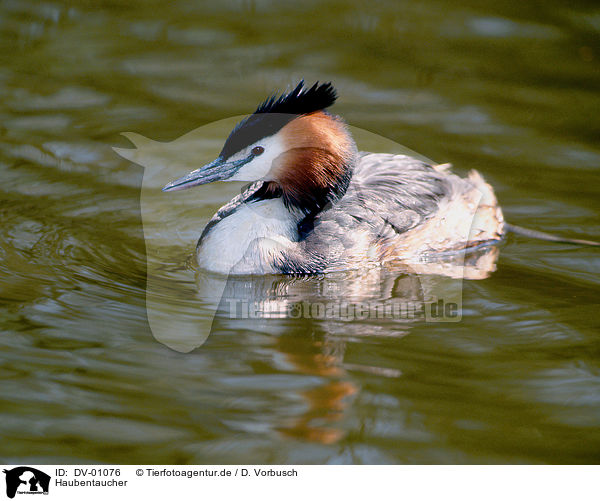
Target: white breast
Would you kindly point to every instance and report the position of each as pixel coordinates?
(248, 240)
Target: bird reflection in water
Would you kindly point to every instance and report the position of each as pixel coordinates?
(311, 341)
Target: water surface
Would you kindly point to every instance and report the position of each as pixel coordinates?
(508, 89)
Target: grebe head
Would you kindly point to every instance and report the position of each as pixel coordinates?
(300, 151)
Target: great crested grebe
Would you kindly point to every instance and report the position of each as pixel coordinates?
(316, 204)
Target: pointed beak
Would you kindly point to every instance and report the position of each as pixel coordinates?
(217, 170)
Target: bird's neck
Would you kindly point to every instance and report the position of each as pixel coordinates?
(317, 168)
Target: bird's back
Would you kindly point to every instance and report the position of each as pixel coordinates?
(397, 208)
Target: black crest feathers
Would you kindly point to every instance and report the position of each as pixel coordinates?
(276, 112)
(301, 100)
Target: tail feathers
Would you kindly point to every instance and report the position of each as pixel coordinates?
(540, 235)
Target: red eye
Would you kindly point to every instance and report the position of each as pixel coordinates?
(257, 150)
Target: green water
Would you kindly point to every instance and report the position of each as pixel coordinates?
(508, 88)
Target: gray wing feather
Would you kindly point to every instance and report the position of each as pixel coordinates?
(387, 196)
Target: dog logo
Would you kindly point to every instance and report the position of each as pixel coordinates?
(182, 300)
(26, 480)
